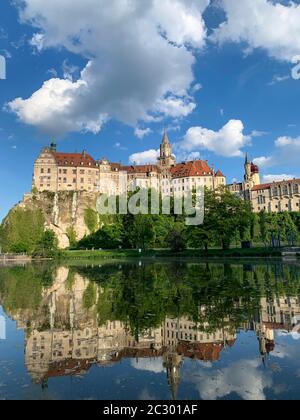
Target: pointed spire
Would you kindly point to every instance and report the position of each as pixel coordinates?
(166, 138)
(247, 159)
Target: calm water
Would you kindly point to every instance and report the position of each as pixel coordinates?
(161, 330)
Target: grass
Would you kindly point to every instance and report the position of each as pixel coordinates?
(192, 253)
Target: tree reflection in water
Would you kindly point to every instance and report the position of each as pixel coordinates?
(78, 316)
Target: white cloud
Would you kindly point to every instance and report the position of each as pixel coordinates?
(268, 179)
(288, 142)
(197, 87)
(52, 72)
(149, 365)
(149, 156)
(279, 79)
(140, 133)
(257, 133)
(69, 70)
(119, 146)
(265, 24)
(175, 107)
(243, 378)
(141, 55)
(286, 153)
(264, 161)
(187, 157)
(50, 107)
(228, 141)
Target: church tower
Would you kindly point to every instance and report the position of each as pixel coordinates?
(166, 159)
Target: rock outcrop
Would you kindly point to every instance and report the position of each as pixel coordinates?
(63, 212)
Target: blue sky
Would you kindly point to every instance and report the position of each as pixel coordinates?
(221, 91)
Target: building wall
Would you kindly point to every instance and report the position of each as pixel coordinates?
(278, 197)
(45, 172)
(113, 179)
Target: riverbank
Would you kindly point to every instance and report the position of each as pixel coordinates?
(14, 257)
(212, 253)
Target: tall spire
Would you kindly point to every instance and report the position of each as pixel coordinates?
(247, 159)
(173, 363)
(166, 137)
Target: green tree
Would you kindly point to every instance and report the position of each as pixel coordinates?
(225, 213)
(47, 247)
(177, 238)
(21, 230)
(142, 233)
(91, 219)
(72, 236)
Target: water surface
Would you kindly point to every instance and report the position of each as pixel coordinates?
(140, 330)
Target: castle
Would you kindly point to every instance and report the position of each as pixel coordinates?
(79, 172)
(65, 338)
(55, 172)
(275, 197)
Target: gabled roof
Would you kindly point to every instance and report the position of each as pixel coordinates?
(219, 174)
(74, 159)
(193, 168)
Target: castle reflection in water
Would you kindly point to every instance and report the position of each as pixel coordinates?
(65, 338)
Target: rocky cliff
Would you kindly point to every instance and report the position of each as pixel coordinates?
(64, 212)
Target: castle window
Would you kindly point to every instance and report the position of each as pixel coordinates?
(49, 171)
(65, 172)
(285, 190)
(42, 171)
(296, 189)
(74, 171)
(81, 171)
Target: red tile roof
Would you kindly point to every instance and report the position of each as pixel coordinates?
(74, 159)
(194, 168)
(274, 184)
(140, 169)
(219, 174)
(208, 352)
(261, 187)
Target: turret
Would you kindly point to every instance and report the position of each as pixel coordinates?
(173, 363)
(53, 146)
(252, 176)
(247, 168)
(166, 158)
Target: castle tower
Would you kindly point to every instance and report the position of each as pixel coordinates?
(166, 159)
(251, 178)
(173, 363)
(247, 169)
(53, 146)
